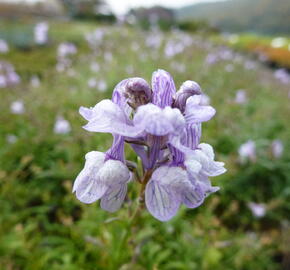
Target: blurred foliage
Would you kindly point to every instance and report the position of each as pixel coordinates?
(43, 226)
(88, 10)
(261, 16)
(262, 46)
(195, 26)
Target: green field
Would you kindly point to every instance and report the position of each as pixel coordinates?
(43, 225)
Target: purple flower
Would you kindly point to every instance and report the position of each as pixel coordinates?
(258, 209)
(163, 127)
(41, 33)
(17, 107)
(61, 126)
(277, 148)
(248, 151)
(241, 97)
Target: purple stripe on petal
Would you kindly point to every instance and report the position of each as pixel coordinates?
(90, 190)
(114, 197)
(178, 157)
(163, 88)
(116, 152)
(161, 201)
(154, 154)
(193, 197)
(192, 136)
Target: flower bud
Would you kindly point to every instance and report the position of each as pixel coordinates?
(138, 92)
(187, 89)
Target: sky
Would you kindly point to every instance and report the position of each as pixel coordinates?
(122, 6)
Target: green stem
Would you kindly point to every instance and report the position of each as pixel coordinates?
(134, 218)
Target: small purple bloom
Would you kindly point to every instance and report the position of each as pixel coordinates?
(61, 126)
(258, 209)
(17, 107)
(41, 33)
(248, 151)
(277, 148)
(241, 97)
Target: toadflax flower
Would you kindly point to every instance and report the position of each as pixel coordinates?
(163, 127)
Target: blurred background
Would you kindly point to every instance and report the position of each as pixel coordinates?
(58, 55)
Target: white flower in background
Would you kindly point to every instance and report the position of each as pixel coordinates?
(250, 65)
(17, 107)
(211, 59)
(248, 151)
(13, 78)
(95, 67)
(282, 75)
(3, 82)
(154, 40)
(102, 86)
(61, 126)
(35, 81)
(241, 97)
(65, 49)
(258, 209)
(10, 138)
(4, 48)
(41, 33)
(277, 148)
(173, 48)
(95, 38)
(92, 83)
(278, 42)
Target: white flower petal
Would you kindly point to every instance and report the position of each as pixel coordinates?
(161, 201)
(114, 197)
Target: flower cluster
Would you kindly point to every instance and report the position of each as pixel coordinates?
(163, 127)
(8, 76)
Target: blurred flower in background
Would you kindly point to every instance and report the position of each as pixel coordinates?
(258, 209)
(247, 151)
(4, 48)
(241, 97)
(17, 107)
(61, 126)
(41, 33)
(277, 148)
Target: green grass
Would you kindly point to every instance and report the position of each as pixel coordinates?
(43, 225)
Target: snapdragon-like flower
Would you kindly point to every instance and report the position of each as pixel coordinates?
(163, 127)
